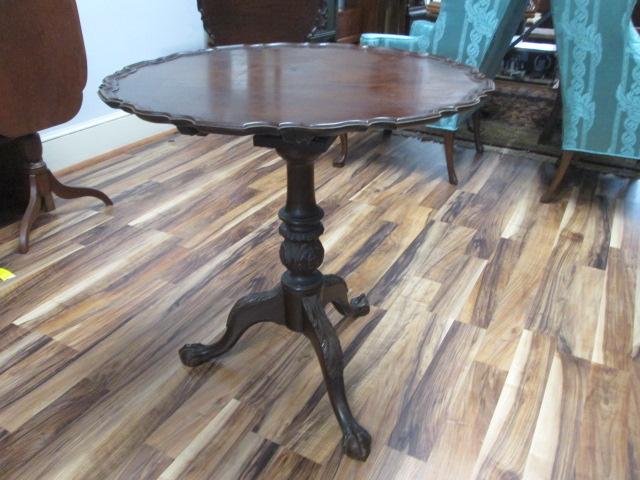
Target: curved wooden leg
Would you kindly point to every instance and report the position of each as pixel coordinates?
(475, 118)
(30, 214)
(248, 311)
(561, 171)
(356, 441)
(448, 152)
(335, 290)
(67, 192)
(344, 151)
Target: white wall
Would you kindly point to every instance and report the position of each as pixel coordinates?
(118, 33)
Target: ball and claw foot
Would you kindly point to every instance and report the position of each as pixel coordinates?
(357, 443)
(194, 354)
(335, 291)
(359, 306)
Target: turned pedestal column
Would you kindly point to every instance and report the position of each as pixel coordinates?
(299, 301)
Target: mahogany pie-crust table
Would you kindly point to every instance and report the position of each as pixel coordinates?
(296, 98)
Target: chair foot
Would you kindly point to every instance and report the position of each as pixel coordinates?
(31, 213)
(561, 171)
(344, 151)
(448, 151)
(68, 192)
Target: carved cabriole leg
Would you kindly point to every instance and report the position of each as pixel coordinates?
(299, 301)
(561, 171)
(448, 152)
(248, 311)
(356, 441)
(344, 151)
(67, 192)
(334, 290)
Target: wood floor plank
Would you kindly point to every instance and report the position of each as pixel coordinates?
(19, 447)
(145, 464)
(32, 371)
(210, 451)
(614, 346)
(567, 302)
(603, 448)
(633, 439)
(554, 447)
(467, 421)
(481, 306)
(506, 445)
(423, 417)
(287, 465)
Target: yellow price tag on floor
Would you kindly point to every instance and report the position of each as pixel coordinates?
(5, 274)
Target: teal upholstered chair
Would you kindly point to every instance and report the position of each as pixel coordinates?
(599, 54)
(474, 32)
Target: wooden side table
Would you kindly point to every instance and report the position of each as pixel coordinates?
(296, 99)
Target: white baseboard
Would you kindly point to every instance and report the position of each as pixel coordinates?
(67, 146)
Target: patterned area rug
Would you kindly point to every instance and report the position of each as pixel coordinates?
(516, 116)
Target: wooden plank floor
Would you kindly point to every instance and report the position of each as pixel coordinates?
(499, 345)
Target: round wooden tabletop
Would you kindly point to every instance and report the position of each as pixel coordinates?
(319, 89)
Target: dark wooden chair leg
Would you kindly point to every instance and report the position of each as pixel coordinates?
(344, 151)
(448, 151)
(475, 118)
(31, 213)
(561, 171)
(42, 184)
(356, 441)
(68, 192)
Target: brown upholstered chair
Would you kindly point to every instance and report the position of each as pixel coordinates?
(230, 22)
(43, 70)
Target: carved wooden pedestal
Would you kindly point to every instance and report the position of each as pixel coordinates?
(298, 303)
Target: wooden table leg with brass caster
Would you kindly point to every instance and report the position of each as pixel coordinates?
(299, 302)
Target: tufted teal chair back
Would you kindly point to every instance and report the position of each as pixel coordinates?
(476, 32)
(473, 32)
(599, 52)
